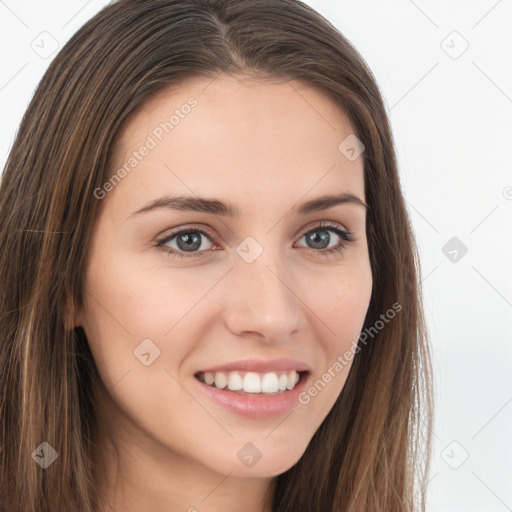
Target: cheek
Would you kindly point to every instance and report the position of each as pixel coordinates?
(133, 299)
(131, 311)
(341, 300)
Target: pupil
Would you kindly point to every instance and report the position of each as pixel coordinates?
(191, 242)
(315, 236)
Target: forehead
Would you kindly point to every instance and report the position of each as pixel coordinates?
(236, 134)
(239, 104)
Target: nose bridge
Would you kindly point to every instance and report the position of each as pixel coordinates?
(261, 297)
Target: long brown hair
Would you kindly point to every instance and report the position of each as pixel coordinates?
(372, 451)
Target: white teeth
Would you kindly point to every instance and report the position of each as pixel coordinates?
(220, 380)
(269, 383)
(283, 381)
(253, 382)
(291, 380)
(235, 381)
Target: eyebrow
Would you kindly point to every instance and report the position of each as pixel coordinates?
(217, 207)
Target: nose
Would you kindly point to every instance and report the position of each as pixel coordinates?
(261, 300)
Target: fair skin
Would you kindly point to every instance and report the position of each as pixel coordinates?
(263, 147)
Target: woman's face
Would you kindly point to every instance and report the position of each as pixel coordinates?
(251, 295)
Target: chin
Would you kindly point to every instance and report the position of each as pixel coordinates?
(251, 462)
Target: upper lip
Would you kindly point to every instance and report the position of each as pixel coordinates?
(259, 365)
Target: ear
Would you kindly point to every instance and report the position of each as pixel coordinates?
(71, 316)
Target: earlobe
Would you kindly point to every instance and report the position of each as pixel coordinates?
(71, 316)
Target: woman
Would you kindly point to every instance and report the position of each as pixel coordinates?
(176, 334)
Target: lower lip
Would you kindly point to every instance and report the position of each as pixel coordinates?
(256, 406)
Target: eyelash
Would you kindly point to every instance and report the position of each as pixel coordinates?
(346, 236)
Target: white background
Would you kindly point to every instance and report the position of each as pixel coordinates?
(451, 114)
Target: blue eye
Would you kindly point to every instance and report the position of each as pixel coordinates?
(319, 234)
(190, 240)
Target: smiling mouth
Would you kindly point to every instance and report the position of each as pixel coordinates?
(252, 383)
